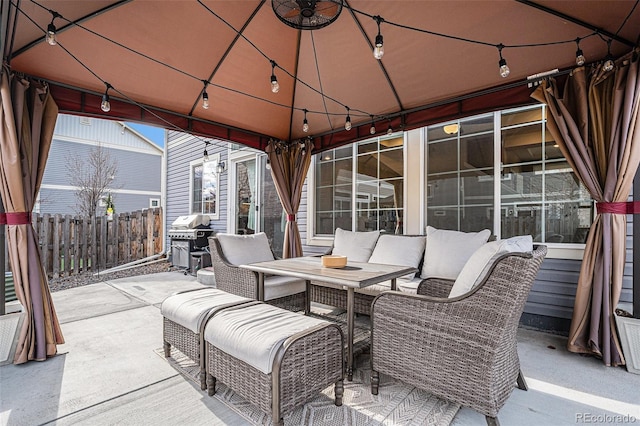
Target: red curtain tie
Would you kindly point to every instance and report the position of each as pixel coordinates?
(623, 207)
(15, 218)
(291, 218)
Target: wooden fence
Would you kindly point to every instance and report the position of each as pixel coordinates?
(72, 245)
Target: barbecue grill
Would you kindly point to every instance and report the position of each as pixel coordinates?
(189, 241)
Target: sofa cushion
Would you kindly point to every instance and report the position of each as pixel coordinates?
(478, 265)
(399, 250)
(357, 246)
(447, 251)
(245, 249)
(254, 334)
(408, 285)
(189, 309)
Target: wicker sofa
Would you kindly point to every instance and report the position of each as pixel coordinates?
(460, 348)
(228, 251)
(439, 253)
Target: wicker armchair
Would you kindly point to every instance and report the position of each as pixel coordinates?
(461, 349)
(242, 282)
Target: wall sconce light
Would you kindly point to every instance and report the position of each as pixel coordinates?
(451, 129)
(221, 167)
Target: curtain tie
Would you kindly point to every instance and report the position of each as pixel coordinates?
(623, 207)
(291, 218)
(15, 218)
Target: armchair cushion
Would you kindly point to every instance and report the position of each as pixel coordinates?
(357, 246)
(448, 251)
(399, 250)
(245, 249)
(276, 287)
(478, 265)
(408, 285)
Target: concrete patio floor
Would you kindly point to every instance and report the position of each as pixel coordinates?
(108, 374)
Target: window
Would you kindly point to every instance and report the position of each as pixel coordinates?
(154, 202)
(360, 187)
(204, 187)
(537, 194)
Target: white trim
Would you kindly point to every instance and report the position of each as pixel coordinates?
(141, 136)
(497, 173)
(114, 191)
(311, 201)
(109, 145)
(213, 158)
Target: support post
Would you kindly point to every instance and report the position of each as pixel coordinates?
(636, 249)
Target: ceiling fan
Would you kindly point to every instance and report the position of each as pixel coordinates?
(307, 14)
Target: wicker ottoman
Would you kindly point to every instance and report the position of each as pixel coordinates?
(274, 358)
(185, 315)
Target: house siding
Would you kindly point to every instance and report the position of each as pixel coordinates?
(139, 164)
(182, 149)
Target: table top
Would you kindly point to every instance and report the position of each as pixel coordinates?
(355, 274)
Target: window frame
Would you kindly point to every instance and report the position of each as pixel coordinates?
(215, 159)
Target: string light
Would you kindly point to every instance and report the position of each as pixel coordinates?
(275, 87)
(268, 165)
(504, 68)
(347, 123)
(50, 37)
(389, 128)
(378, 50)
(106, 105)
(305, 123)
(205, 154)
(580, 59)
(608, 62)
(372, 129)
(205, 95)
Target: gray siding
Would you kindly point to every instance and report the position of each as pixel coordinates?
(139, 163)
(182, 149)
(62, 201)
(136, 170)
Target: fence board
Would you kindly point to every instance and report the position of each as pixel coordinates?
(73, 245)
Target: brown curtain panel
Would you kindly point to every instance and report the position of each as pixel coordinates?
(596, 123)
(289, 167)
(28, 116)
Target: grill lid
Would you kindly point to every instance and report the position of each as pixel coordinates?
(190, 222)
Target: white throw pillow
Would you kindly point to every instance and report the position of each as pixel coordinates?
(447, 251)
(245, 249)
(357, 246)
(399, 250)
(478, 265)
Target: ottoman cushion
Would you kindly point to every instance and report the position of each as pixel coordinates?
(190, 308)
(254, 333)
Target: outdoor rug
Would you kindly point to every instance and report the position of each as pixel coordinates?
(396, 404)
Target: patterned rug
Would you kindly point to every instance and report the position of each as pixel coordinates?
(396, 403)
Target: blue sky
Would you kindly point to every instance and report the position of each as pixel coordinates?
(154, 134)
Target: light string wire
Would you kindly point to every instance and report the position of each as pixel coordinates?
(172, 126)
(324, 96)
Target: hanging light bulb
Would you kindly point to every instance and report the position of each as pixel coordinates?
(608, 62)
(51, 34)
(372, 129)
(106, 105)
(275, 87)
(580, 59)
(50, 37)
(205, 100)
(504, 68)
(389, 129)
(205, 155)
(378, 50)
(347, 123)
(305, 123)
(205, 95)
(268, 165)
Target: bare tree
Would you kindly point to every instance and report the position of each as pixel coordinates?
(93, 176)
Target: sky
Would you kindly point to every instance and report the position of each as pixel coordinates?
(154, 134)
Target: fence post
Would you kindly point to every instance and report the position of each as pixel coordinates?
(127, 238)
(76, 245)
(139, 235)
(66, 245)
(103, 243)
(84, 253)
(56, 246)
(150, 226)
